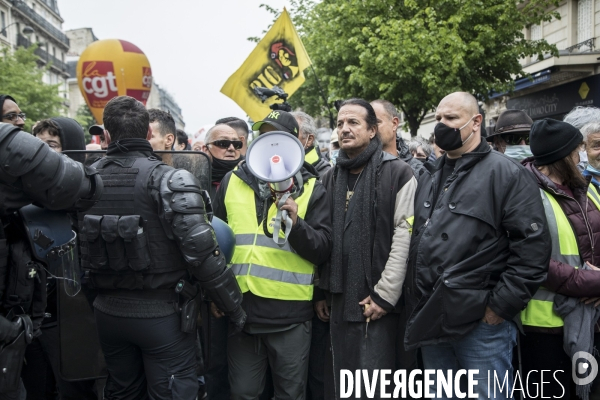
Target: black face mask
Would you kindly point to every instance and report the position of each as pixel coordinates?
(449, 139)
(220, 168)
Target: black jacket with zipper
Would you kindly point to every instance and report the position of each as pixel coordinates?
(483, 242)
(310, 238)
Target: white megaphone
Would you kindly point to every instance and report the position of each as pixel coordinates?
(276, 157)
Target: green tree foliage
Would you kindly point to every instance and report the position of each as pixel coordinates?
(413, 52)
(21, 77)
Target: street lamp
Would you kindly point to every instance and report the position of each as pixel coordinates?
(27, 30)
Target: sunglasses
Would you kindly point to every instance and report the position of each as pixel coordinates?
(224, 144)
(14, 116)
(514, 139)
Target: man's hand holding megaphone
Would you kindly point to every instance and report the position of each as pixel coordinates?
(292, 209)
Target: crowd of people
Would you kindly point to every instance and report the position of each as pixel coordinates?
(472, 250)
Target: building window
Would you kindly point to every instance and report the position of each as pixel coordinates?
(3, 23)
(536, 32)
(584, 22)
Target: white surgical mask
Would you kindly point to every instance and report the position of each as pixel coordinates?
(518, 152)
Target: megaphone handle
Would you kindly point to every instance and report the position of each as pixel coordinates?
(282, 215)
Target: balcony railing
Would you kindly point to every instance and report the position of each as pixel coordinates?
(28, 12)
(588, 45)
(43, 54)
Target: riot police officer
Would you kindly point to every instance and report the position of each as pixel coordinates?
(144, 245)
(30, 173)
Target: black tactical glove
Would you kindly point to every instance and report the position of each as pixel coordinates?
(9, 330)
(237, 320)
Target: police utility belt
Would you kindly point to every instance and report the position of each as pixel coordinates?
(186, 295)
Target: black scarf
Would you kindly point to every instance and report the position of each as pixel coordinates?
(128, 145)
(360, 231)
(220, 168)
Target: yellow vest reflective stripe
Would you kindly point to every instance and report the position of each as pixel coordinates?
(410, 221)
(539, 311)
(311, 157)
(594, 196)
(260, 265)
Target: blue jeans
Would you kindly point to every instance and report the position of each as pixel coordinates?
(487, 348)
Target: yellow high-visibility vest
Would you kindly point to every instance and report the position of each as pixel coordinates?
(311, 157)
(259, 264)
(539, 311)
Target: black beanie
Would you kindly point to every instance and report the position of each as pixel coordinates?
(551, 140)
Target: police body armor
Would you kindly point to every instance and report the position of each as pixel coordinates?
(122, 235)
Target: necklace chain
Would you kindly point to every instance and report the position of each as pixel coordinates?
(355, 183)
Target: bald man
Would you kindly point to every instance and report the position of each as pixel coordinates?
(485, 252)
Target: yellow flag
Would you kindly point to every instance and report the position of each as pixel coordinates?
(279, 59)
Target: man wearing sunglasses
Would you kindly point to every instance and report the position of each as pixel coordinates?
(11, 113)
(511, 134)
(223, 146)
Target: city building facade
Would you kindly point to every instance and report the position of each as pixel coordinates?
(24, 23)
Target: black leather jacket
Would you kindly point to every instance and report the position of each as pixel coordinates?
(484, 242)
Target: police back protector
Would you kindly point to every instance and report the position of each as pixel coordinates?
(122, 236)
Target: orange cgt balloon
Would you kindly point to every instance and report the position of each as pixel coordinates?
(110, 68)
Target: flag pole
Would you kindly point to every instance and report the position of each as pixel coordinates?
(331, 122)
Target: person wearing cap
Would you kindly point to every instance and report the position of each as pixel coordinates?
(511, 134)
(43, 354)
(277, 121)
(572, 207)
(307, 136)
(277, 282)
(480, 249)
(98, 130)
(11, 113)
